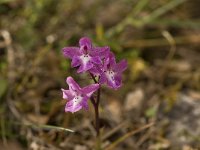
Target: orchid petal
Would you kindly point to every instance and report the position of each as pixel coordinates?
(75, 61)
(118, 80)
(121, 66)
(85, 67)
(90, 89)
(112, 79)
(96, 60)
(115, 84)
(85, 41)
(69, 52)
(73, 86)
(96, 69)
(109, 61)
(100, 51)
(72, 106)
(112, 60)
(85, 64)
(103, 78)
(67, 94)
(84, 103)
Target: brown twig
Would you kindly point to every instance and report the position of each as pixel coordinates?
(144, 138)
(121, 139)
(180, 40)
(114, 130)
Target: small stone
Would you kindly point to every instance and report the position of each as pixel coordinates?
(80, 147)
(134, 100)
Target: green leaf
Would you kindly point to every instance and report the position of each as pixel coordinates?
(151, 112)
(49, 127)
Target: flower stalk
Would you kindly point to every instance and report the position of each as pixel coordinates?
(97, 119)
(96, 107)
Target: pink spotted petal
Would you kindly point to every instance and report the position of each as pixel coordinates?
(85, 66)
(114, 81)
(71, 107)
(113, 84)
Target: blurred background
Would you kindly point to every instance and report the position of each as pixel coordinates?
(158, 106)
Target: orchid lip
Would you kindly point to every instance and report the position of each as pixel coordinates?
(85, 58)
(77, 100)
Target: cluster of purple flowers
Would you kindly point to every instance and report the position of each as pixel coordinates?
(100, 62)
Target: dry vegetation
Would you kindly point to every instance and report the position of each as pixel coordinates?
(158, 107)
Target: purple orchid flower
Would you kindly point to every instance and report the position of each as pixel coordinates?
(112, 72)
(85, 56)
(77, 97)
